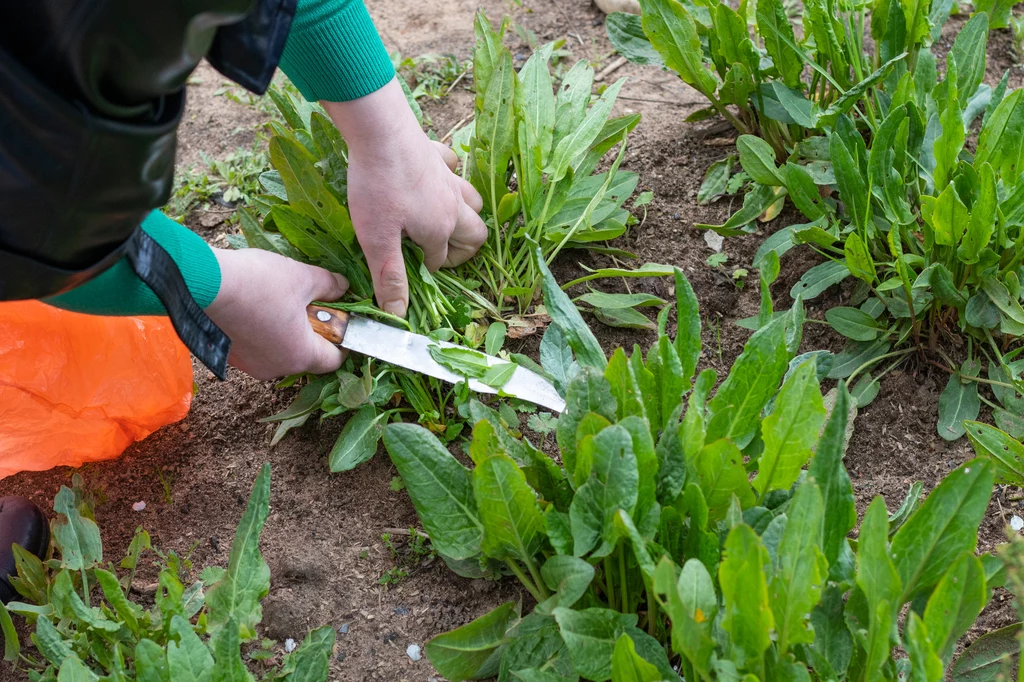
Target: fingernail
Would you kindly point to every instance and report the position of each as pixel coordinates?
(395, 307)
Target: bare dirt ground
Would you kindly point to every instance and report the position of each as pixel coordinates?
(323, 538)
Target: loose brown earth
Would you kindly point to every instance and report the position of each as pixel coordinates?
(323, 538)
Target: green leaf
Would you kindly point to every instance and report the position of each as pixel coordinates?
(955, 604)
(497, 375)
(613, 485)
(311, 661)
(473, 650)
(804, 193)
(853, 188)
(578, 140)
(779, 40)
(755, 202)
(188, 659)
(716, 179)
(854, 94)
(673, 34)
(858, 259)
(969, 54)
(688, 343)
(735, 409)
(926, 666)
(73, 670)
(11, 645)
(150, 662)
(69, 605)
(600, 299)
(568, 577)
(624, 318)
(357, 442)
(227, 655)
(723, 476)
(879, 581)
(237, 597)
(513, 526)
(317, 245)
(1006, 453)
(944, 527)
(748, 614)
(627, 666)
(856, 354)
(495, 124)
(802, 569)
(983, 218)
(590, 635)
(958, 402)
(626, 33)
(564, 314)
(853, 323)
(77, 536)
(949, 144)
(790, 431)
(440, 489)
(819, 278)
(589, 392)
(307, 192)
(986, 657)
(828, 471)
(495, 337)
(536, 103)
(1000, 140)
(758, 159)
(463, 361)
(309, 398)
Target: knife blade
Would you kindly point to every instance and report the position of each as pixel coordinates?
(412, 351)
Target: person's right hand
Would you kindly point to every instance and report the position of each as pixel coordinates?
(261, 306)
(400, 183)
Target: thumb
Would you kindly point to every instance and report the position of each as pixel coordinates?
(326, 285)
(387, 268)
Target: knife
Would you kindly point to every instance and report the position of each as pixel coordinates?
(412, 351)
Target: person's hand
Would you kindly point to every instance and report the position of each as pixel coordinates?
(402, 183)
(261, 306)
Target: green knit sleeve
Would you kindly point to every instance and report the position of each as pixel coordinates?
(334, 53)
(119, 291)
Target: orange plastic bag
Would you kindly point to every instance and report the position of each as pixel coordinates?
(79, 388)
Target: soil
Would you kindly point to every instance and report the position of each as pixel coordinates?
(323, 538)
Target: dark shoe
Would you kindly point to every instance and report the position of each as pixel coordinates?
(21, 523)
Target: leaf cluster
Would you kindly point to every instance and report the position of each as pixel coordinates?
(688, 532)
(87, 626)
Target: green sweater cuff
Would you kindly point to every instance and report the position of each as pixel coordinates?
(119, 291)
(334, 53)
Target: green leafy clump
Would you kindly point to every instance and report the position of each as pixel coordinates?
(533, 155)
(686, 533)
(86, 626)
(785, 89)
(929, 232)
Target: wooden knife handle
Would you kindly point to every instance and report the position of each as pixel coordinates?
(328, 322)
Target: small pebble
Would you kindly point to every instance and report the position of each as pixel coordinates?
(343, 630)
(413, 652)
(139, 506)
(401, 611)
(1016, 523)
(289, 645)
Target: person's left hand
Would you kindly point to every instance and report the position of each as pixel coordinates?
(400, 183)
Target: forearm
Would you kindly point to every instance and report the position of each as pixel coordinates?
(119, 291)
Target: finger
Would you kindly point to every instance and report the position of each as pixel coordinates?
(323, 356)
(326, 285)
(470, 195)
(387, 268)
(469, 235)
(450, 158)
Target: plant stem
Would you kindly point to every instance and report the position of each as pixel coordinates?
(527, 583)
(531, 565)
(652, 615)
(623, 588)
(85, 587)
(609, 586)
(872, 361)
